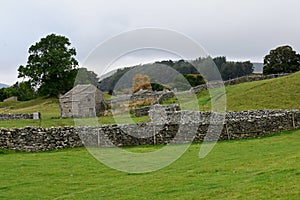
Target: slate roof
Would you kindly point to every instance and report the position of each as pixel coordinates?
(78, 92)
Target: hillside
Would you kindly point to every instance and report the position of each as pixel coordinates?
(279, 93)
(167, 72)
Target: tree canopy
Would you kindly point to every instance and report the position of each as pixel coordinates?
(51, 66)
(281, 60)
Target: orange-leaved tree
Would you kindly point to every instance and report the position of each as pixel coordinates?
(140, 81)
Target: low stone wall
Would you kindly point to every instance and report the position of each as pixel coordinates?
(15, 116)
(144, 111)
(32, 139)
(159, 96)
(236, 81)
(138, 112)
(169, 127)
(252, 78)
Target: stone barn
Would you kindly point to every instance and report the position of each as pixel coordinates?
(82, 101)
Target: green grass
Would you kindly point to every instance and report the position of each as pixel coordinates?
(47, 123)
(108, 96)
(48, 107)
(265, 168)
(279, 93)
(188, 101)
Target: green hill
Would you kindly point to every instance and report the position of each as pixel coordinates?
(279, 93)
(167, 72)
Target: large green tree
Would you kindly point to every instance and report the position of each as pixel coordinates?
(281, 60)
(51, 65)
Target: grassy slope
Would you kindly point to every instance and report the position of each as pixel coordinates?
(266, 168)
(280, 93)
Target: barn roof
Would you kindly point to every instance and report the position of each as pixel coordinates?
(79, 92)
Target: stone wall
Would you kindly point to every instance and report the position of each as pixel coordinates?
(138, 112)
(159, 96)
(33, 139)
(165, 127)
(236, 81)
(144, 111)
(15, 116)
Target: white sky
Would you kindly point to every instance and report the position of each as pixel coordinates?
(237, 29)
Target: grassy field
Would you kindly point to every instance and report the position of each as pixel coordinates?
(265, 168)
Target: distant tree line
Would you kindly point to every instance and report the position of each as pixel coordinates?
(188, 75)
(231, 70)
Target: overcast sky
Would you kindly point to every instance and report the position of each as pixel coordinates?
(237, 29)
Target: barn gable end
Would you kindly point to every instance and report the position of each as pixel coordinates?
(82, 101)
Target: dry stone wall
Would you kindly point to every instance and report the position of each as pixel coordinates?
(32, 139)
(144, 111)
(167, 127)
(15, 116)
(159, 96)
